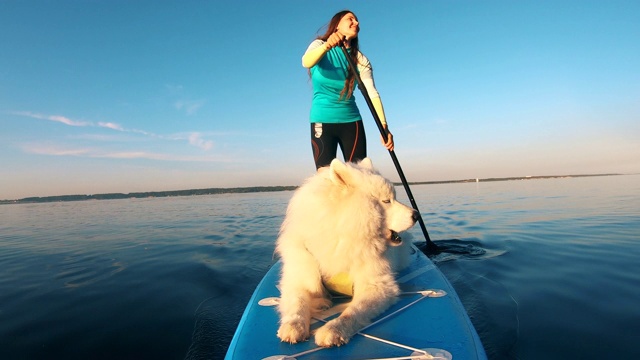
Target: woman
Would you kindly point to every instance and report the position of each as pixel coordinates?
(335, 118)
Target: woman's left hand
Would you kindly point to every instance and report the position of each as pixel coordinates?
(389, 143)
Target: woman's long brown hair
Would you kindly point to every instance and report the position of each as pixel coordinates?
(349, 82)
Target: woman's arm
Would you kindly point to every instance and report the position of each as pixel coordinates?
(318, 48)
(366, 75)
(314, 53)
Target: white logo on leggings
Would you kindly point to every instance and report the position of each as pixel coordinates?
(317, 127)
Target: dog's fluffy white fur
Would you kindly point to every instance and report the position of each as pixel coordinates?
(340, 220)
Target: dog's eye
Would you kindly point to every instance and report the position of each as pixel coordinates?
(386, 201)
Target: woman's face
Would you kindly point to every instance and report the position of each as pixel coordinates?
(348, 26)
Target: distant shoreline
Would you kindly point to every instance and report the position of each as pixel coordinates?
(253, 189)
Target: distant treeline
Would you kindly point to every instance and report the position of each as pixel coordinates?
(214, 191)
(139, 195)
(507, 179)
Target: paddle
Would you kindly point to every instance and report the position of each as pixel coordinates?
(431, 246)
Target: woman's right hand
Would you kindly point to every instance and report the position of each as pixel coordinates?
(334, 40)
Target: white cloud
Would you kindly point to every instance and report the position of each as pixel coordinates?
(195, 139)
(131, 155)
(56, 118)
(110, 125)
(54, 150)
(118, 127)
(190, 107)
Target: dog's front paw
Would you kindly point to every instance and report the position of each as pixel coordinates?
(293, 332)
(331, 334)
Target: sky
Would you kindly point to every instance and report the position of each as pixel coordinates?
(115, 96)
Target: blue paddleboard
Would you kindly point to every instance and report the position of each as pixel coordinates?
(427, 322)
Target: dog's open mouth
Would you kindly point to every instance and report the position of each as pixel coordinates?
(395, 238)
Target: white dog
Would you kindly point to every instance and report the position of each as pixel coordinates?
(339, 221)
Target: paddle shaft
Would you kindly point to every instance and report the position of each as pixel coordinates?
(383, 132)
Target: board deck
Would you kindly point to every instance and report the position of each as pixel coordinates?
(427, 322)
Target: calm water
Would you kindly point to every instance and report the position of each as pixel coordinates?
(554, 269)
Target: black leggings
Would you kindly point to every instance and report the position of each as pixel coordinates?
(325, 138)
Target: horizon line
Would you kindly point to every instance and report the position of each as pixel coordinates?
(248, 189)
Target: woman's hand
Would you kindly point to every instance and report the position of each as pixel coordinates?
(334, 40)
(389, 143)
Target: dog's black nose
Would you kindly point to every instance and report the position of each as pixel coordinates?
(415, 216)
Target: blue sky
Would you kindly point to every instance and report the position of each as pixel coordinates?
(127, 96)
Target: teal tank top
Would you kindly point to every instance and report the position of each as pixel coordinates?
(328, 77)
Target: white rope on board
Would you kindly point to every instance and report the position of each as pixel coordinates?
(418, 354)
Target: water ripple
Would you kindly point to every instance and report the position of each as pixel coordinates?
(79, 270)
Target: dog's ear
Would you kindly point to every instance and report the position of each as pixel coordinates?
(366, 163)
(339, 172)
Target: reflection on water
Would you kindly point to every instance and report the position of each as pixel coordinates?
(547, 265)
